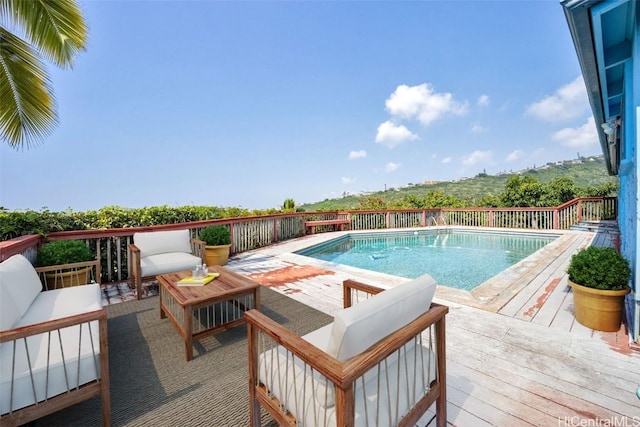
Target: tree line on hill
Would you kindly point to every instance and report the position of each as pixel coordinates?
(519, 191)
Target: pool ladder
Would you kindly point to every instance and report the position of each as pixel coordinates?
(436, 224)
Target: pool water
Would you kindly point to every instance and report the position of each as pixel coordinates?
(457, 259)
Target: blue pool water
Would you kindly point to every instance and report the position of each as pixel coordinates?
(456, 259)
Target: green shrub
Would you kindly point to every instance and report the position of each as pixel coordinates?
(215, 235)
(63, 252)
(599, 268)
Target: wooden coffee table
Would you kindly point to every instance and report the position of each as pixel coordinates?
(200, 311)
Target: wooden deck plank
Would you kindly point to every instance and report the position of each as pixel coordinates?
(523, 403)
(529, 299)
(565, 317)
(579, 330)
(546, 398)
(478, 405)
(552, 365)
(457, 416)
(547, 304)
(548, 342)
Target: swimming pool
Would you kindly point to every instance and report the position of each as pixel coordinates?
(455, 258)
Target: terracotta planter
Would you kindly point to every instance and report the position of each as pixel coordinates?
(598, 309)
(217, 255)
(82, 276)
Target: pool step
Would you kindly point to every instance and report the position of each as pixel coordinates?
(597, 226)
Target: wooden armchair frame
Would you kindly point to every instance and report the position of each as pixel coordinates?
(97, 387)
(73, 269)
(344, 374)
(135, 271)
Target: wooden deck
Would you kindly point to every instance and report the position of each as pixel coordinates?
(515, 354)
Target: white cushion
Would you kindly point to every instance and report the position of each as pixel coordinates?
(20, 280)
(167, 263)
(325, 393)
(9, 313)
(404, 381)
(51, 305)
(358, 327)
(62, 302)
(52, 381)
(160, 242)
(319, 337)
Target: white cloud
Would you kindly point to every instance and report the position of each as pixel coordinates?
(422, 103)
(476, 128)
(357, 154)
(483, 101)
(346, 180)
(585, 136)
(390, 134)
(514, 155)
(568, 102)
(392, 167)
(447, 160)
(477, 157)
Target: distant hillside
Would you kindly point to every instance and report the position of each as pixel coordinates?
(585, 172)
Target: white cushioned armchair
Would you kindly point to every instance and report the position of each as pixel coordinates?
(53, 343)
(160, 252)
(380, 363)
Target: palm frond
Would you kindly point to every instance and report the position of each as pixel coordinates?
(27, 106)
(56, 27)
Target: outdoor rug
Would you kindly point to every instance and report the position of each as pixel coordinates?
(153, 385)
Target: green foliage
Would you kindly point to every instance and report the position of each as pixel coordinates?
(19, 223)
(32, 31)
(559, 191)
(289, 205)
(605, 190)
(488, 201)
(522, 192)
(589, 177)
(372, 203)
(599, 268)
(215, 235)
(63, 252)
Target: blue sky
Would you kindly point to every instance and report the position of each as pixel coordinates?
(250, 103)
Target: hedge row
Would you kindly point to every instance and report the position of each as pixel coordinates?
(23, 222)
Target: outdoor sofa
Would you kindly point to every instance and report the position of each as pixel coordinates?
(381, 362)
(53, 343)
(160, 252)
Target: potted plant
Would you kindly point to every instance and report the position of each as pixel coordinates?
(599, 278)
(61, 252)
(217, 241)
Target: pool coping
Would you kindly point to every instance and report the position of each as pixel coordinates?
(491, 295)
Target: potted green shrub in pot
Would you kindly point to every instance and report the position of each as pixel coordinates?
(61, 252)
(217, 241)
(599, 278)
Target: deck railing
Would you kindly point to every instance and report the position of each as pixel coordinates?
(247, 233)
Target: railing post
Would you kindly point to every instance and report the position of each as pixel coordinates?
(424, 218)
(232, 248)
(388, 219)
(490, 217)
(579, 211)
(275, 229)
